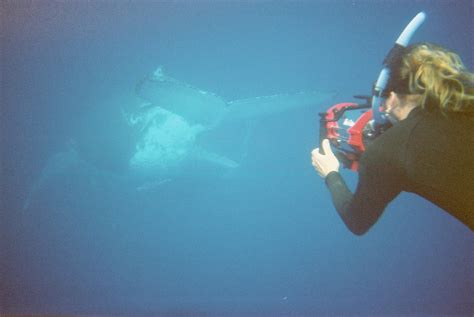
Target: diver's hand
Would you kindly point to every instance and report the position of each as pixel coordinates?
(325, 163)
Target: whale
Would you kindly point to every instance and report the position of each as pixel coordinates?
(157, 134)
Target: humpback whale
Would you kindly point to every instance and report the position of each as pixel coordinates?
(165, 132)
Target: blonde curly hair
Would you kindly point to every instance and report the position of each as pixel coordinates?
(439, 76)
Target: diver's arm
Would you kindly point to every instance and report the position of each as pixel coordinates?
(341, 195)
(361, 210)
(379, 182)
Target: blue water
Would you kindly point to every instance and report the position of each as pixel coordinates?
(263, 240)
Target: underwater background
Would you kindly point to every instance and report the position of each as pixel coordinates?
(78, 236)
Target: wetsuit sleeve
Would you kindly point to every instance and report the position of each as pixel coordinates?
(377, 186)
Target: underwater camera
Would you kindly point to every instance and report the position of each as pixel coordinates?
(350, 128)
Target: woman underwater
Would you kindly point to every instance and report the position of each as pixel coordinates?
(429, 150)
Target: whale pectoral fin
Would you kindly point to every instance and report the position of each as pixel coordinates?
(215, 158)
(266, 105)
(57, 165)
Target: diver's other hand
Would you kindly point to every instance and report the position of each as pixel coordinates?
(325, 163)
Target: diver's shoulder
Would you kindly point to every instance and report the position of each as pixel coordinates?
(391, 142)
(448, 121)
(385, 146)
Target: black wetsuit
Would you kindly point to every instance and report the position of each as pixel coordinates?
(428, 153)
